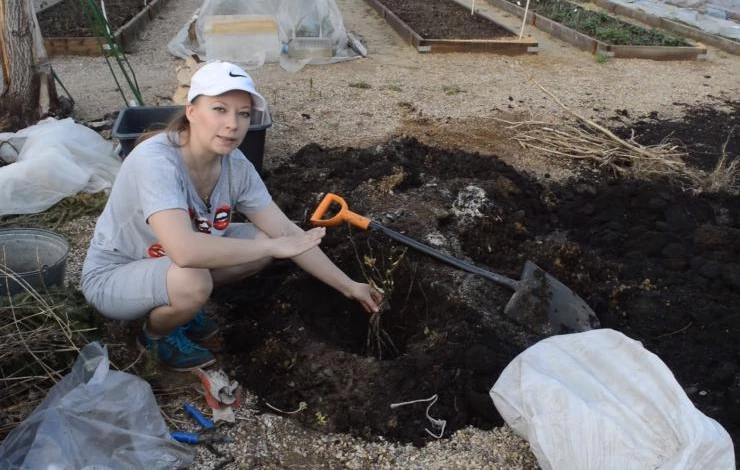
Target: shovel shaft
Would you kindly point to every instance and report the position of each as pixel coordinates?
(445, 257)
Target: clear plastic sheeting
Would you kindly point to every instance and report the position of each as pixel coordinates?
(294, 18)
(718, 17)
(95, 418)
(52, 160)
(600, 400)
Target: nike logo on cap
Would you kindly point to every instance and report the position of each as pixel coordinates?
(232, 74)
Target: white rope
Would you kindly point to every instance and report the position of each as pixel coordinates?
(438, 424)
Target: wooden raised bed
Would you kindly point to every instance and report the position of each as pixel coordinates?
(587, 43)
(126, 35)
(506, 45)
(655, 21)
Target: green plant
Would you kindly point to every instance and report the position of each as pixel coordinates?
(603, 27)
(602, 57)
(394, 87)
(361, 85)
(321, 418)
(452, 89)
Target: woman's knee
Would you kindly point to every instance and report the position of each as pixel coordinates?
(189, 286)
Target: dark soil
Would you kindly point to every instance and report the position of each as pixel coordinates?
(657, 263)
(444, 19)
(705, 132)
(67, 19)
(601, 26)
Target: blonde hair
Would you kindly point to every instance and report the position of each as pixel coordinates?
(178, 124)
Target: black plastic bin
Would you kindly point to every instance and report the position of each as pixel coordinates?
(137, 120)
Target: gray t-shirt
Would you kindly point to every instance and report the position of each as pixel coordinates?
(154, 178)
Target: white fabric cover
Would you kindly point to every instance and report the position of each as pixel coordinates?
(600, 400)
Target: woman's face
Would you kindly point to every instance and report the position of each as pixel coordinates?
(218, 124)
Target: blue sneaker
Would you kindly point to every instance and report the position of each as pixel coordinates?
(200, 328)
(176, 351)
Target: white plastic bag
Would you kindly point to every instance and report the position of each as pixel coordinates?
(599, 400)
(95, 418)
(57, 159)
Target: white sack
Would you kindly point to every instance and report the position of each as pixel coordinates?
(599, 400)
(11, 143)
(57, 159)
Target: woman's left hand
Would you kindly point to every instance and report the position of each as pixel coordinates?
(369, 297)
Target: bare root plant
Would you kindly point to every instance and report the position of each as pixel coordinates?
(378, 271)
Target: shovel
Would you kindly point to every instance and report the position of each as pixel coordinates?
(537, 295)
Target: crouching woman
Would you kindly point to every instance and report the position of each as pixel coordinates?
(166, 235)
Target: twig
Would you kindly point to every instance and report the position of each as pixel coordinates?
(677, 331)
(301, 406)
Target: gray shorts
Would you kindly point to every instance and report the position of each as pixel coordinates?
(129, 291)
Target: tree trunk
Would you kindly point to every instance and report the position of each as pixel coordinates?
(28, 92)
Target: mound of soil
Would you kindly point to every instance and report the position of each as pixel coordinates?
(659, 264)
(444, 20)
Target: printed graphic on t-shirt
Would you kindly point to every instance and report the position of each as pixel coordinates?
(202, 224)
(155, 250)
(222, 218)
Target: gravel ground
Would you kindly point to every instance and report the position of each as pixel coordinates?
(448, 98)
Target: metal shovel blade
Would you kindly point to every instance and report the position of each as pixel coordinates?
(540, 299)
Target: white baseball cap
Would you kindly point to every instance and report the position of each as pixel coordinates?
(218, 77)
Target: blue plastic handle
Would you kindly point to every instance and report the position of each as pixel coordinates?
(186, 437)
(198, 416)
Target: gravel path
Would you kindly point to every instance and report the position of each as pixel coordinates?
(448, 98)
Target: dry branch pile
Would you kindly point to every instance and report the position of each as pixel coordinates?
(40, 338)
(622, 157)
(592, 143)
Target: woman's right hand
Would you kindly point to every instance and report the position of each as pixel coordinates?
(294, 245)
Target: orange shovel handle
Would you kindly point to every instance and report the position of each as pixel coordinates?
(344, 214)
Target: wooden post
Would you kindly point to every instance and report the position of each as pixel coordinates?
(28, 90)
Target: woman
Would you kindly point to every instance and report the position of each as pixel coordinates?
(165, 237)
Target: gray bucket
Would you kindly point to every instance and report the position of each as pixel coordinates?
(36, 256)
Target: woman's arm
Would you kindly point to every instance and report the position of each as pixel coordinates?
(190, 249)
(275, 223)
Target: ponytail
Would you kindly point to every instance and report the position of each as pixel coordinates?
(176, 126)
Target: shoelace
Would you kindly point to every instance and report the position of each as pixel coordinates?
(183, 344)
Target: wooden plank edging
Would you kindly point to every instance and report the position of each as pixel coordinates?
(126, 35)
(403, 30)
(655, 21)
(587, 43)
(504, 46)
